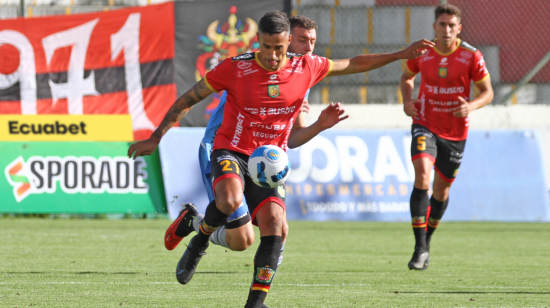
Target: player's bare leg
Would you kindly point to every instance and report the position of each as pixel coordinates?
(438, 202)
(240, 238)
(271, 221)
(419, 210)
(229, 196)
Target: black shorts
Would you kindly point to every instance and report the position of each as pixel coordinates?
(446, 154)
(226, 164)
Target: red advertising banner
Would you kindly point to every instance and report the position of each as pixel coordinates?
(117, 62)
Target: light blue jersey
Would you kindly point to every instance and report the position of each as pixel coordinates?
(206, 149)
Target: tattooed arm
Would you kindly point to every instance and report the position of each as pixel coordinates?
(178, 110)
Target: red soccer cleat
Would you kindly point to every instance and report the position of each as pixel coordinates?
(183, 225)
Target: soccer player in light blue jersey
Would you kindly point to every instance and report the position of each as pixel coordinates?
(237, 234)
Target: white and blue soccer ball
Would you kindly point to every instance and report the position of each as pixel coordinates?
(269, 166)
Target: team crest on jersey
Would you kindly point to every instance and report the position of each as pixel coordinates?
(442, 72)
(273, 90)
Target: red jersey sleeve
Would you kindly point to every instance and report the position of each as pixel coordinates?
(320, 67)
(479, 71)
(412, 66)
(218, 78)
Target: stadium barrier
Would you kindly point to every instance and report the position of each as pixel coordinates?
(78, 178)
(367, 175)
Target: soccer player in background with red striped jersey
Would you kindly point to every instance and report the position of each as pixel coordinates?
(440, 121)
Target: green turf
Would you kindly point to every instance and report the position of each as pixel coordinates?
(114, 263)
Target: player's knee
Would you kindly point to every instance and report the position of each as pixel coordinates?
(274, 223)
(422, 180)
(230, 202)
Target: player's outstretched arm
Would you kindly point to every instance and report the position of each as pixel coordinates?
(369, 62)
(329, 117)
(178, 110)
(484, 98)
(407, 86)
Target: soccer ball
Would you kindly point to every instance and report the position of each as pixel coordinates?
(269, 166)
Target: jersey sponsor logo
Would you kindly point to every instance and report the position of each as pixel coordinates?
(468, 46)
(443, 61)
(425, 59)
(226, 157)
(270, 111)
(455, 160)
(265, 135)
(238, 130)
(273, 90)
(293, 55)
(268, 126)
(316, 57)
(244, 64)
(246, 72)
(296, 66)
(481, 62)
(466, 54)
(442, 72)
(464, 61)
(443, 90)
(273, 79)
(245, 56)
(443, 103)
(298, 70)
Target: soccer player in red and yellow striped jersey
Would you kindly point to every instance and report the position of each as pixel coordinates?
(440, 120)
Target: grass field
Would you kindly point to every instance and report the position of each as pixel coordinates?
(118, 263)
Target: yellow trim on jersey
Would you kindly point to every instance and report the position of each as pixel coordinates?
(446, 54)
(482, 79)
(265, 68)
(208, 85)
(330, 67)
(409, 70)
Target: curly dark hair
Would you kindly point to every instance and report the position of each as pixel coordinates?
(302, 22)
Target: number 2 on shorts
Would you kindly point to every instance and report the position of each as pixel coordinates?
(227, 165)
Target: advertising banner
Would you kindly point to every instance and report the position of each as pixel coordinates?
(118, 62)
(113, 127)
(78, 178)
(368, 175)
(208, 32)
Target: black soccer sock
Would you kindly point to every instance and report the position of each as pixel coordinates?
(419, 209)
(213, 219)
(265, 266)
(436, 213)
